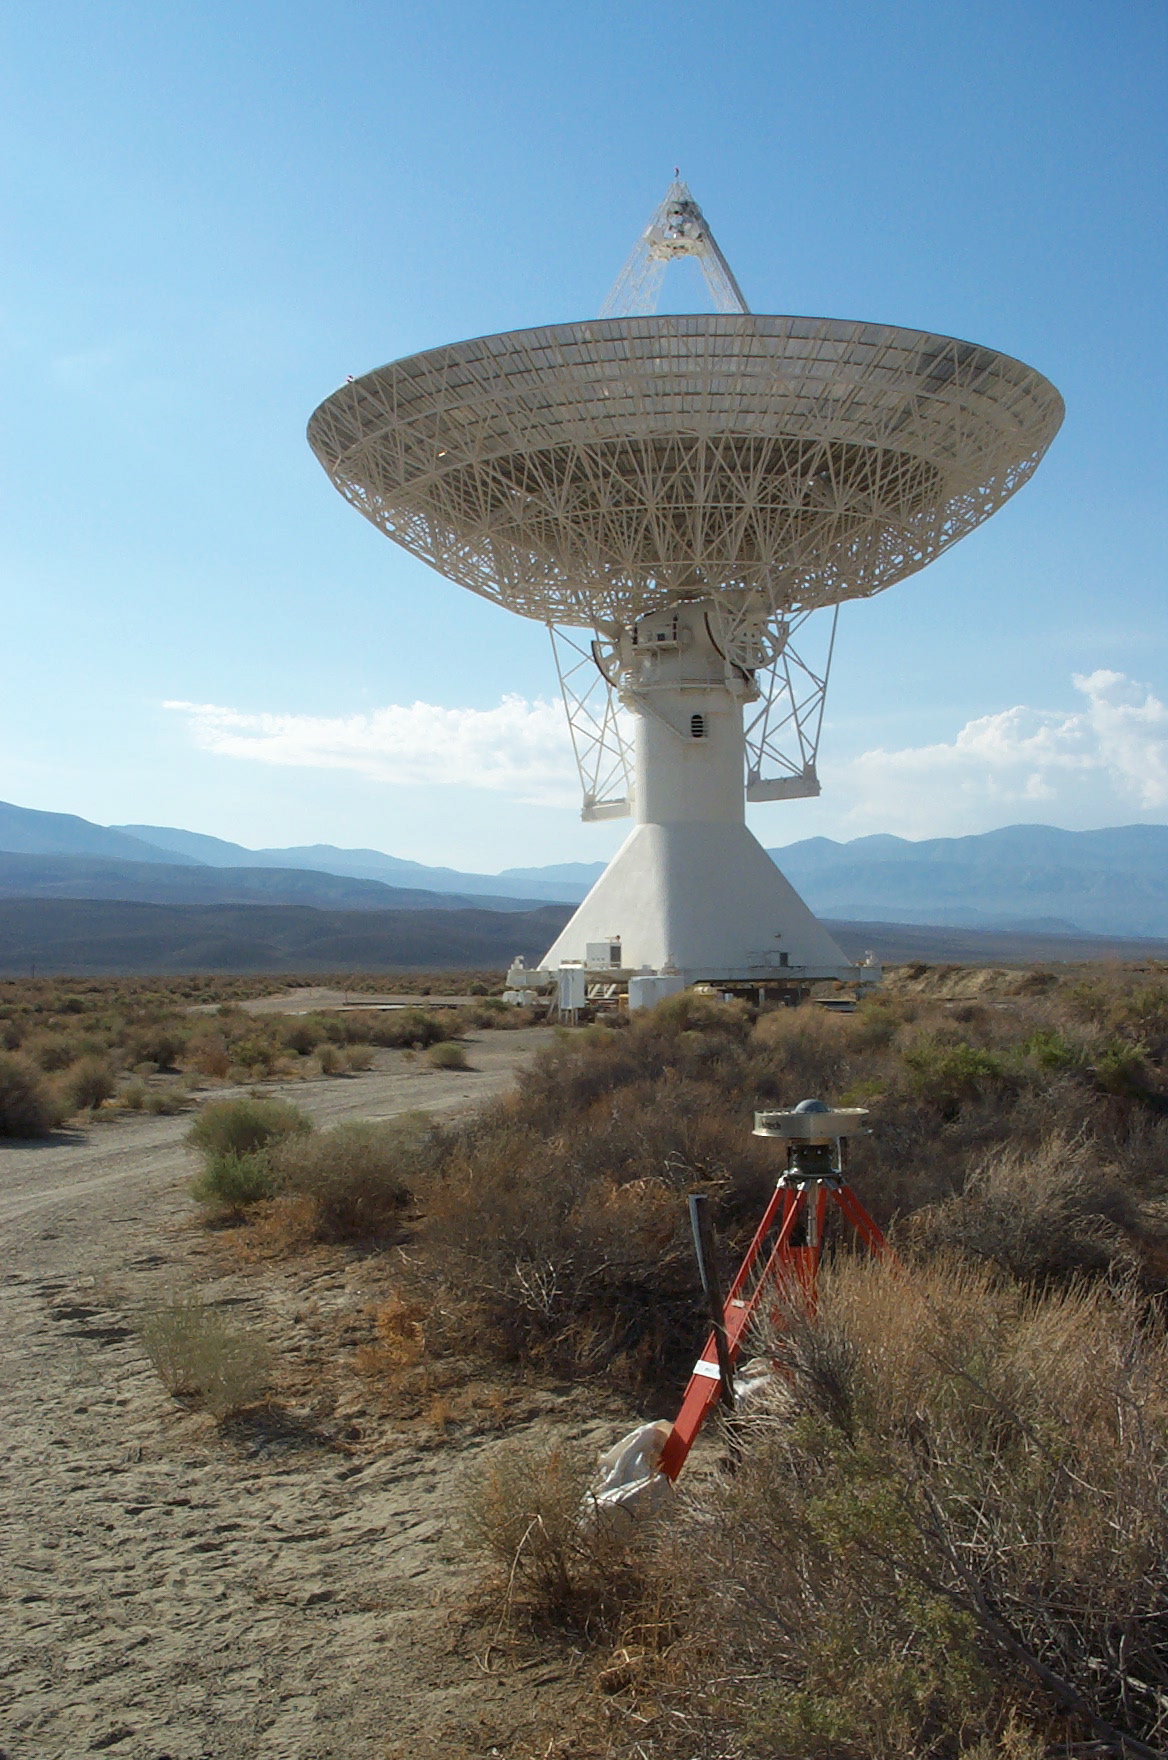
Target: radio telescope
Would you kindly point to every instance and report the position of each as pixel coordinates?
(674, 496)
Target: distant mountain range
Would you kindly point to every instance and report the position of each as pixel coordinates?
(1025, 879)
(27, 876)
(91, 937)
(88, 937)
(56, 855)
(566, 883)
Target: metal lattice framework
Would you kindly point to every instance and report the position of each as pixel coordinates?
(586, 474)
(782, 730)
(600, 740)
(782, 733)
(677, 229)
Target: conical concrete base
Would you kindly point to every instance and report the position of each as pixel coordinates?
(704, 899)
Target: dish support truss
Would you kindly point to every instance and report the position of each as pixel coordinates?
(677, 229)
(782, 730)
(601, 737)
(782, 722)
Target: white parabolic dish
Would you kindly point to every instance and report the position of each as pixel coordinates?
(587, 473)
(685, 487)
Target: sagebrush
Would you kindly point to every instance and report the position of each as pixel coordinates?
(199, 1354)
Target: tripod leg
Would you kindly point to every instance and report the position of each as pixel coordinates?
(816, 1251)
(860, 1220)
(705, 1385)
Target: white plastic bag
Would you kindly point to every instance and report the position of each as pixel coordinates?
(627, 1482)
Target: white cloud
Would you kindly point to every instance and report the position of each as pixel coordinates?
(1106, 760)
(1101, 763)
(519, 748)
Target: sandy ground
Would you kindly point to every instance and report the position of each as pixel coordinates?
(310, 997)
(288, 1589)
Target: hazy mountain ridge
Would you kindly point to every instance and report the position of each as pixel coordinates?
(1112, 882)
(96, 877)
(27, 831)
(364, 864)
(1021, 878)
(87, 937)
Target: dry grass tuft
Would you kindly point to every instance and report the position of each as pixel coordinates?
(522, 1509)
(1053, 1212)
(447, 1056)
(400, 1342)
(199, 1355)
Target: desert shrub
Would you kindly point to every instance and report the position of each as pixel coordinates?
(330, 1060)
(392, 1028)
(395, 1028)
(165, 1102)
(1054, 1052)
(88, 1082)
(161, 1044)
(809, 1052)
(1122, 1069)
(198, 1354)
(948, 1523)
(359, 1058)
(27, 1109)
(695, 1011)
(447, 1055)
(574, 1253)
(358, 1176)
(1054, 1212)
(1133, 1009)
(522, 1510)
(240, 1126)
(53, 1051)
(208, 1053)
(234, 1180)
(301, 1036)
(133, 1096)
(256, 1054)
(706, 1041)
(945, 1075)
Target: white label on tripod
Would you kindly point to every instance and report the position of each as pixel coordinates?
(710, 1370)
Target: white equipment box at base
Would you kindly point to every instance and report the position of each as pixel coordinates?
(645, 992)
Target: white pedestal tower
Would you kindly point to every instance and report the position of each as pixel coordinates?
(691, 890)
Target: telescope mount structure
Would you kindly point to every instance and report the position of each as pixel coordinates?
(675, 497)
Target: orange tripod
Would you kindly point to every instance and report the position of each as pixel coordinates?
(785, 1251)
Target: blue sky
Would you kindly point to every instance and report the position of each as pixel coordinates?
(213, 213)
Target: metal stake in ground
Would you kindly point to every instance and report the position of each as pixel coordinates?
(704, 1246)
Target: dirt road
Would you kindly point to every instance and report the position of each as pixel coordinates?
(171, 1593)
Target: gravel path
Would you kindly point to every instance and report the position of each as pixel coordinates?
(171, 1592)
